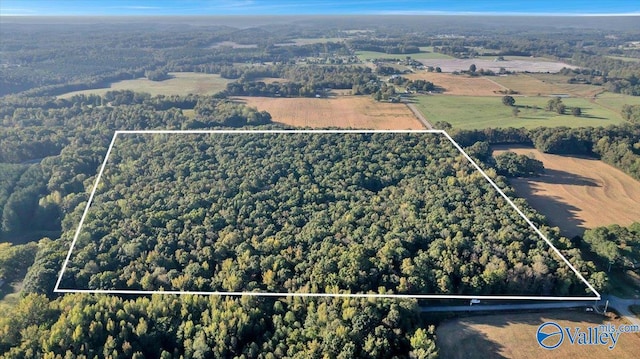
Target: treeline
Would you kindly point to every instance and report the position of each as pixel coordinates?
(304, 81)
(631, 113)
(616, 145)
(168, 326)
(511, 164)
(619, 76)
(419, 85)
(617, 247)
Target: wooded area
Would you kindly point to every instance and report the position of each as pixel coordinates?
(388, 213)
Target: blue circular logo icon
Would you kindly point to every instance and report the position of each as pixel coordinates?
(549, 335)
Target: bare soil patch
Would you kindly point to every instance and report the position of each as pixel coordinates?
(461, 85)
(514, 336)
(233, 45)
(579, 193)
(344, 112)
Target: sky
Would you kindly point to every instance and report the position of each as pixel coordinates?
(315, 7)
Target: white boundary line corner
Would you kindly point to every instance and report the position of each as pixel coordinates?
(57, 288)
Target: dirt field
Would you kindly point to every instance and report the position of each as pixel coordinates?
(514, 336)
(460, 84)
(579, 193)
(234, 45)
(344, 112)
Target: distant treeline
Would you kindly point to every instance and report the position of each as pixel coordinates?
(303, 81)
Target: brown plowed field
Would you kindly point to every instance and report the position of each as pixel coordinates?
(579, 193)
(461, 85)
(514, 336)
(343, 111)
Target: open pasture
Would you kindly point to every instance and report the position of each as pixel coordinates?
(616, 101)
(528, 85)
(477, 112)
(424, 54)
(180, 83)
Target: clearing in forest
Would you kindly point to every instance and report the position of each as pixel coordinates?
(573, 191)
(180, 83)
(309, 213)
(342, 111)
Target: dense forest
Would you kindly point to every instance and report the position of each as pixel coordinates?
(311, 213)
(213, 327)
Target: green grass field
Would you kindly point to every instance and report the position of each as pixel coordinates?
(425, 53)
(615, 101)
(466, 112)
(182, 83)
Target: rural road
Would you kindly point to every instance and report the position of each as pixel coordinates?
(622, 307)
(499, 307)
(417, 113)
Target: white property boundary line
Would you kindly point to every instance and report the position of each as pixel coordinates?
(57, 288)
